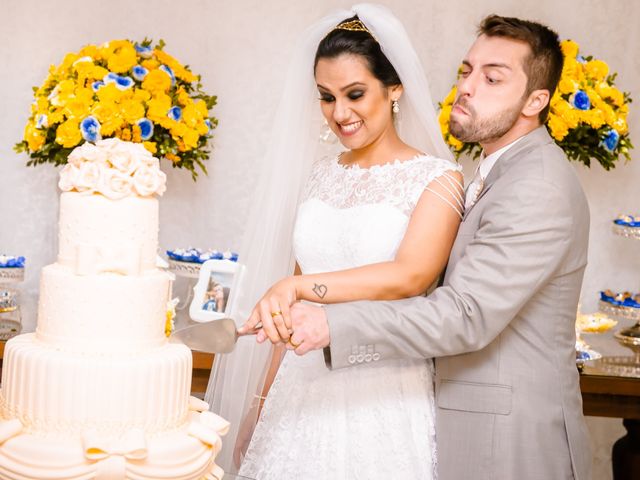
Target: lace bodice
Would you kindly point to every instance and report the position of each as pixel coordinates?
(352, 216)
(398, 184)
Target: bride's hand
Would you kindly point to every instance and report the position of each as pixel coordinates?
(273, 312)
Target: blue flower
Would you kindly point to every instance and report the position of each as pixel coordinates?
(97, 85)
(146, 128)
(121, 83)
(208, 123)
(144, 52)
(610, 140)
(139, 72)
(42, 121)
(175, 113)
(110, 78)
(124, 83)
(9, 261)
(90, 128)
(169, 72)
(580, 100)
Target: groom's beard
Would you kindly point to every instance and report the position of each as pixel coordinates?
(484, 130)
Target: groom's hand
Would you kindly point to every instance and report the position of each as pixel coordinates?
(310, 328)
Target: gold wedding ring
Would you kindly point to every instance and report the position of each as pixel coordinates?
(294, 345)
(275, 314)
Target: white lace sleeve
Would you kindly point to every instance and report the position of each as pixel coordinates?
(436, 176)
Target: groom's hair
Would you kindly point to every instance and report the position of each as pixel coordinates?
(543, 66)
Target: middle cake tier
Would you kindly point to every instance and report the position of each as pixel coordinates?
(106, 312)
(67, 394)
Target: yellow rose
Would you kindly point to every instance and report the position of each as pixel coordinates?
(559, 128)
(68, 133)
(202, 128)
(190, 138)
(444, 116)
(150, 64)
(561, 107)
(178, 69)
(183, 97)
(56, 116)
(202, 108)
(158, 108)
(141, 95)
(150, 146)
(67, 63)
(596, 69)
(90, 51)
(191, 115)
(571, 118)
(131, 111)
(569, 48)
(620, 125)
(156, 82)
(77, 109)
(110, 93)
(451, 96)
(108, 114)
(593, 118)
(35, 138)
(455, 143)
(567, 86)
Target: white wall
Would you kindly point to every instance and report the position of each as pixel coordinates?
(241, 48)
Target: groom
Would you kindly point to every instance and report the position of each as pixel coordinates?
(502, 325)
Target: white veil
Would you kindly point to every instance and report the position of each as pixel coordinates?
(267, 246)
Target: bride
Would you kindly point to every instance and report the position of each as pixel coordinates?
(375, 222)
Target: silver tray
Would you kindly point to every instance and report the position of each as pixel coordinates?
(628, 313)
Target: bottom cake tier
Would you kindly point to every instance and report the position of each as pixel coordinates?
(187, 453)
(80, 416)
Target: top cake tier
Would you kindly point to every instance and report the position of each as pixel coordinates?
(108, 213)
(99, 235)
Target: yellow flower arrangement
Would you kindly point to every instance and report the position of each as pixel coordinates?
(133, 91)
(587, 115)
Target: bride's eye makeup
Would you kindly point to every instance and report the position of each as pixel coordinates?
(326, 97)
(355, 94)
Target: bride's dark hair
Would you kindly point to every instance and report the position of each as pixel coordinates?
(358, 42)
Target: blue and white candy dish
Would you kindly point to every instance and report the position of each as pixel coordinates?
(627, 226)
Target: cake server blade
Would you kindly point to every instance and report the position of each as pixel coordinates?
(216, 336)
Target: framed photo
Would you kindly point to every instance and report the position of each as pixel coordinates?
(215, 294)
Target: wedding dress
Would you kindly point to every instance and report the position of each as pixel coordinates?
(374, 420)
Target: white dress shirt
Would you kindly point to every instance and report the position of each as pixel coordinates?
(482, 172)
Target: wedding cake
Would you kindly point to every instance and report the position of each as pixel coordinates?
(98, 392)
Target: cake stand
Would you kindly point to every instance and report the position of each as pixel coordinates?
(10, 321)
(627, 337)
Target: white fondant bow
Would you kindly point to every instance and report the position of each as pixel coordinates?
(208, 427)
(112, 453)
(92, 259)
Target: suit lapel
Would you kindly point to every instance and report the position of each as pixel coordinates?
(535, 138)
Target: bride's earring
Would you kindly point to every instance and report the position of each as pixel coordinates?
(327, 135)
(395, 107)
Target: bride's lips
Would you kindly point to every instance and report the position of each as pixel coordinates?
(349, 129)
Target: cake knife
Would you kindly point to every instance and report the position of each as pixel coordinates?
(216, 336)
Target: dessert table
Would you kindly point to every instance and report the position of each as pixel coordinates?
(611, 388)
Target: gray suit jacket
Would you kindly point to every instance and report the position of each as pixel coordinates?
(501, 327)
